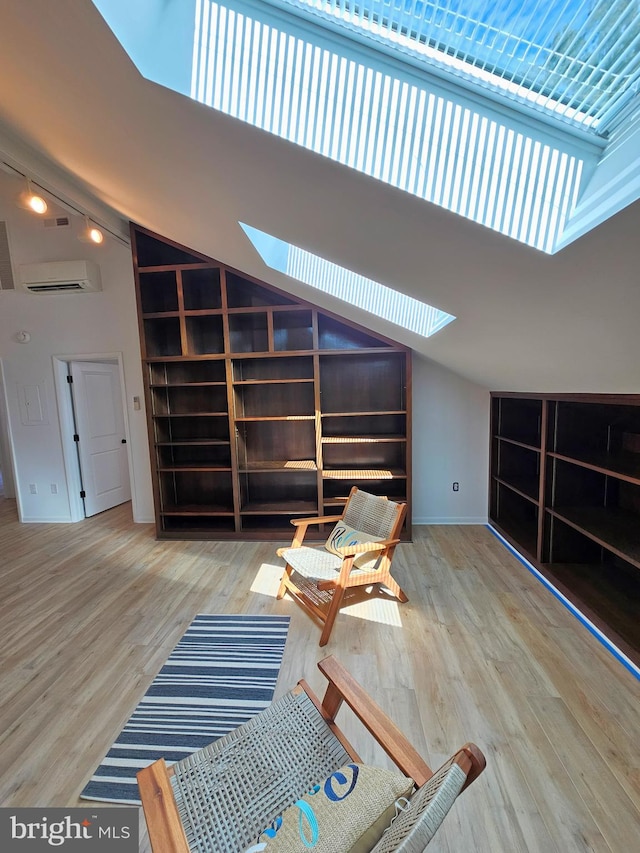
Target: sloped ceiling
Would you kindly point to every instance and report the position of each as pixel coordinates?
(526, 321)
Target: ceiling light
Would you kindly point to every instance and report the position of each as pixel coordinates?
(33, 201)
(91, 233)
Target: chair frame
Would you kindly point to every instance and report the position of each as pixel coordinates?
(165, 828)
(326, 612)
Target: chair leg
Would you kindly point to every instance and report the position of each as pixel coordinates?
(332, 612)
(283, 582)
(393, 586)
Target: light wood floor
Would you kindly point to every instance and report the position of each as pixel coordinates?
(482, 652)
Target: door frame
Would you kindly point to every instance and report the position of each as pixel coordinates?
(6, 442)
(67, 425)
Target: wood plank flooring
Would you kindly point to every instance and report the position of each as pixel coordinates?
(482, 652)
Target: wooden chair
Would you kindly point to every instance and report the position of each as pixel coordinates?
(223, 796)
(319, 578)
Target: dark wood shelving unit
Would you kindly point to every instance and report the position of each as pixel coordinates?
(261, 407)
(568, 498)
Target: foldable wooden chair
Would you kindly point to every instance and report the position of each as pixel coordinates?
(223, 797)
(357, 553)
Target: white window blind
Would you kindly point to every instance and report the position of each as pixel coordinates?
(298, 85)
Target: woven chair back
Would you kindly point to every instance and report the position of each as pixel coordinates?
(371, 514)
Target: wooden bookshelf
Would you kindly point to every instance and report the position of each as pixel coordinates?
(261, 407)
(565, 491)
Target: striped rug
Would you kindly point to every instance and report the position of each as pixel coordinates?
(222, 672)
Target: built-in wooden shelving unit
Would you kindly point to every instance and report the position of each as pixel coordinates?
(261, 407)
(565, 491)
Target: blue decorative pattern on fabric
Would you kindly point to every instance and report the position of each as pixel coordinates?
(348, 811)
(341, 778)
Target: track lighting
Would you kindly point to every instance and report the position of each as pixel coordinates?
(32, 198)
(33, 201)
(91, 233)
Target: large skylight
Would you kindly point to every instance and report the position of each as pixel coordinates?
(386, 121)
(371, 296)
(575, 59)
(498, 110)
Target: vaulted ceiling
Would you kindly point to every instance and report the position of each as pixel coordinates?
(76, 114)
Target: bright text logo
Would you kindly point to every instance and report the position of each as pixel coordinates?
(76, 830)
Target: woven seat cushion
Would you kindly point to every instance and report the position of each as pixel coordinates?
(346, 813)
(313, 563)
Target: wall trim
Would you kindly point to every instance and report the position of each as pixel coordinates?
(7, 452)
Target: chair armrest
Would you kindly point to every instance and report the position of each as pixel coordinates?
(343, 687)
(364, 547)
(301, 525)
(475, 761)
(323, 519)
(166, 832)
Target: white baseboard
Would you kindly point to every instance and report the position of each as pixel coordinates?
(68, 520)
(44, 520)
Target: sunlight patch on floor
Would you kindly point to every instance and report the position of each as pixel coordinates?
(267, 580)
(380, 609)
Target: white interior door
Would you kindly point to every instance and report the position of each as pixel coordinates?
(97, 402)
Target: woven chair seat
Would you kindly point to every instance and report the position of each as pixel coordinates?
(314, 563)
(230, 791)
(222, 798)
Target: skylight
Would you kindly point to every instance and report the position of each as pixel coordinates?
(574, 59)
(499, 111)
(384, 120)
(371, 296)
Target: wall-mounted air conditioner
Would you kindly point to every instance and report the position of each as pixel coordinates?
(60, 276)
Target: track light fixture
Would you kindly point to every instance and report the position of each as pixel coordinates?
(33, 201)
(91, 233)
(32, 198)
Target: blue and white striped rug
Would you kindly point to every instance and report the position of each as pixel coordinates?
(222, 672)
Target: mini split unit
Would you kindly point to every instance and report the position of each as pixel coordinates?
(60, 277)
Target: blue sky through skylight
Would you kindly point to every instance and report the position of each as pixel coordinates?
(371, 296)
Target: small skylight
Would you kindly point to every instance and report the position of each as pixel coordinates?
(371, 296)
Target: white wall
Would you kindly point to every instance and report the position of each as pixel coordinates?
(450, 444)
(70, 324)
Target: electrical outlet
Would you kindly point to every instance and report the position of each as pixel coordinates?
(54, 488)
(456, 487)
(33, 489)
